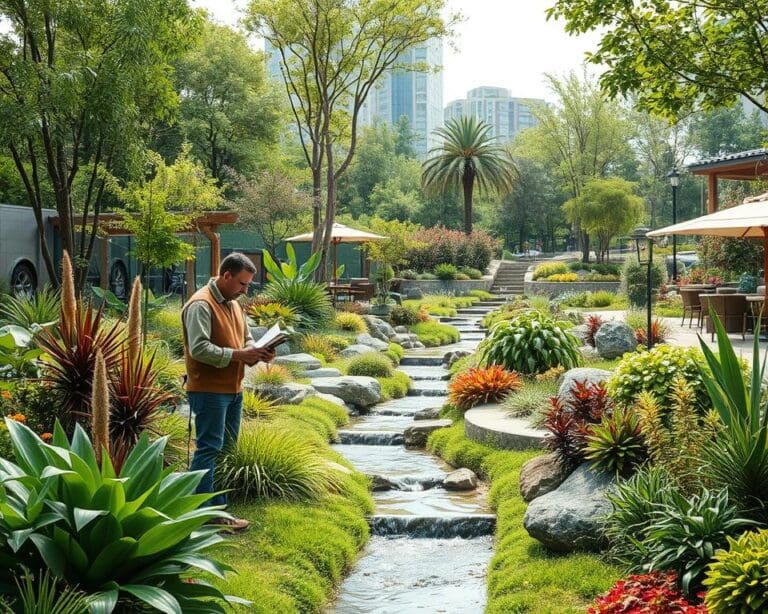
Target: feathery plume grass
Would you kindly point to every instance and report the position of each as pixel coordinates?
(134, 323)
(100, 407)
(68, 300)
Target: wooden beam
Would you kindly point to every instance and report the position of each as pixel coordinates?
(215, 240)
(711, 193)
(104, 263)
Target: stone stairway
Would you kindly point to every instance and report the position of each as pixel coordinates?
(509, 278)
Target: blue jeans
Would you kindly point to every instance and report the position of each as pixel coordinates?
(217, 423)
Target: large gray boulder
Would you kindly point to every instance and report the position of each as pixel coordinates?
(306, 361)
(414, 294)
(376, 344)
(379, 328)
(322, 372)
(416, 435)
(356, 349)
(430, 413)
(570, 517)
(614, 339)
(358, 390)
(461, 479)
(580, 374)
(541, 475)
(290, 393)
(451, 357)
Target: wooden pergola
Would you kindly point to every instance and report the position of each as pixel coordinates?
(110, 225)
(741, 166)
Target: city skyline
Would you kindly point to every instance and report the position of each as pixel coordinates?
(500, 44)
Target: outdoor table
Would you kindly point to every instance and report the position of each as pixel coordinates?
(347, 290)
(729, 308)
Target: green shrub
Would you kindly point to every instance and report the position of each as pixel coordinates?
(372, 364)
(351, 322)
(175, 427)
(445, 271)
(408, 274)
(139, 538)
(337, 342)
(269, 375)
(395, 353)
(308, 299)
(596, 267)
(654, 371)
(737, 580)
(41, 308)
(404, 316)
(600, 298)
(462, 277)
(337, 413)
(269, 314)
(319, 420)
(394, 387)
(483, 295)
(270, 462)
(165, 324)
(530, 343)
(471, 273)
(573, 299)
(433, 334)
(562, 277)
(545, 269)
(634, 280)
(317, 345)
(427, 276)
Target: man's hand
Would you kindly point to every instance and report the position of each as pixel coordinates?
(251, 355)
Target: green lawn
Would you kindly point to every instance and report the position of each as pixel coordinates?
(523, 577)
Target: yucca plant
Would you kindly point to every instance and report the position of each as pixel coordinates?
(738, 457)
(127, 538)
(271, 462)
(482, 385)
(43, 594)
(616, 445)
(41, 309)
(308, 299)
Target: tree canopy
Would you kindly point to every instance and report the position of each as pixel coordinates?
(676, 55)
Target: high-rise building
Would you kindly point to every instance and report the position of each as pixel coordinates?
(494, 105)
(416, 94)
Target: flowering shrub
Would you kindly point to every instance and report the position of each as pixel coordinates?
(482, 385)
(653, 593)
(439, 245)
(446, 271)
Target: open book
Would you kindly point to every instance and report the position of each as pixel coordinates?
(272, 338)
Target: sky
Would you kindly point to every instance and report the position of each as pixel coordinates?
(501, 43)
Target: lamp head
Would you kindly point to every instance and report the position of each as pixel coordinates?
(674, 178)
(641, 242)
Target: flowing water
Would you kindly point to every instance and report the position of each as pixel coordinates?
(430, 547)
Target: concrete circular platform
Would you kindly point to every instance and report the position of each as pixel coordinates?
(492, 425)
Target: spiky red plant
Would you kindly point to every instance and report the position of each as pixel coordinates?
(72, 360)
(588, 401)
(136, 400)
(594, 322)
(659, 332)
(482, 385)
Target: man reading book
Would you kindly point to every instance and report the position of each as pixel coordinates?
(217, 346)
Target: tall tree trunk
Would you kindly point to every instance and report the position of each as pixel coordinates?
(584, 240)
(468, 183)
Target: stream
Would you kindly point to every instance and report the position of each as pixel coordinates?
(430, 547)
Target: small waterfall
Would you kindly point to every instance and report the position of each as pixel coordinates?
(421, 361)
(427, 392)
(465, 526)
(371, 438)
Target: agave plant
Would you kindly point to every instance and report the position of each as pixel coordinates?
(738, 457)
(616, 445)
(134, 536)
(41, 309)
(308, 299)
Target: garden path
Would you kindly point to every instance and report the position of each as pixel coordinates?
(430, 547)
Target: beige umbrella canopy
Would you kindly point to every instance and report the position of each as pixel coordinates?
(749, 220)
(340, 234)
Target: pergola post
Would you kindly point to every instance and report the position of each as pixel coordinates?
(215, 240)
(191, 278)
(104, 263)
(711, 193)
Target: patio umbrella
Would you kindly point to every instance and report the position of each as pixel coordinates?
(340, 234)
(749, 220)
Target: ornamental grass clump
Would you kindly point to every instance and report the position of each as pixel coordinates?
(482, 385)
(272, 462)
(309, 301)
(737, 580)
(130, 540)
(42, 308)
(269, 375)
(269, 314)
(371, 364)
(317, 345)
(351, 322)
(530, 343)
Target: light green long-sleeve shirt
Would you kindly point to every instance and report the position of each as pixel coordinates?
(197, 321)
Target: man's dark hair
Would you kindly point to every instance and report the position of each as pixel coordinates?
(236, 262)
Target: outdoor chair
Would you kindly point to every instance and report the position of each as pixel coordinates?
(691, 305)
(729, 308)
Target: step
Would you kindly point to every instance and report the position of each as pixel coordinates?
(459, 525)
(422, 361)
(371, 438)
(428, 392)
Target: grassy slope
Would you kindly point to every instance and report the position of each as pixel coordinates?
(295, 553)
(523, 576)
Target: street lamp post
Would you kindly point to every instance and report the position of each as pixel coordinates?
(674, 181)
(641, 241)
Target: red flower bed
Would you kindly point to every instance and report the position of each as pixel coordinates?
(653, 593)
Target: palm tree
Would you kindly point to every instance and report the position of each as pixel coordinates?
(468, 155)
